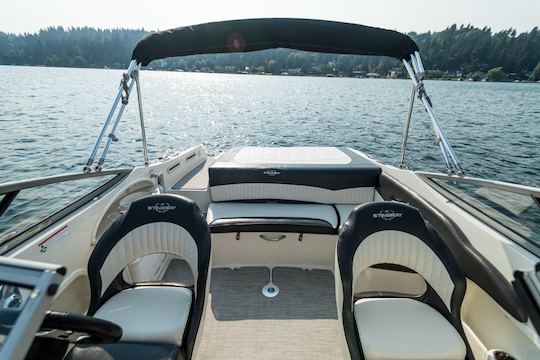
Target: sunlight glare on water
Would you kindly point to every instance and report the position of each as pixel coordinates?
(50, 117)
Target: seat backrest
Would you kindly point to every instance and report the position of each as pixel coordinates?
(395, 233)
(153, 224)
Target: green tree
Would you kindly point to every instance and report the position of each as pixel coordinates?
(79, 61)
(272, 66)
(536, 72)
(459, 47)
(496, 74)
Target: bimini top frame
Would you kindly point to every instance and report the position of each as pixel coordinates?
(260, 34)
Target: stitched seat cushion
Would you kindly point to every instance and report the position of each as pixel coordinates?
(149, 314)
(405, 329)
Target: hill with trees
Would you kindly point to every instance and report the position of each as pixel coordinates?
(458, 51)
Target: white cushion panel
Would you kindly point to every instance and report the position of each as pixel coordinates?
(226, 210)
(149, 314)
(344, 210)
(405, 329)
(261, 191)
(401, 248)
(158, 237)
(291, 155)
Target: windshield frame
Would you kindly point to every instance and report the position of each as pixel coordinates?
(11, 190)
(527, 243)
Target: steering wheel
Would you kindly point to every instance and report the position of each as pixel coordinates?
(80, 329)
(74, 328)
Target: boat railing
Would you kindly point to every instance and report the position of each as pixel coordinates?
(494, 184)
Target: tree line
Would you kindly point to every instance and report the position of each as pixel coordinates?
(457, 49)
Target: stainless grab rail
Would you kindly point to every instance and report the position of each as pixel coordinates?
(13, 186)
(494, 184)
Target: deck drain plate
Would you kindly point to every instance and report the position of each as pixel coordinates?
(270, 290)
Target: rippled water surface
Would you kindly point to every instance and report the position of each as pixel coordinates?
(50, 117)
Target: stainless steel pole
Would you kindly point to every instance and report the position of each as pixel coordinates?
(407, 126)
(441, 140)
(112, 137)
(141, 116)
(90, 160)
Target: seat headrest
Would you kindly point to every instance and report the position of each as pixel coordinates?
(369, 218)
(165, 208)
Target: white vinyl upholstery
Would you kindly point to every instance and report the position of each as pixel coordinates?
(149, 314)
(401, 248)
(344, 210)
(291, 155)
(158, 237)
(405, 329)
(264, 191)
(271, 210)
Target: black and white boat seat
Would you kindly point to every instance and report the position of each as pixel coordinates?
(159, 318)
(227, 217)
(325, 175)
(398, 327)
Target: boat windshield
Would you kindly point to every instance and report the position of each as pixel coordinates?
(511, 209)
(28, 207)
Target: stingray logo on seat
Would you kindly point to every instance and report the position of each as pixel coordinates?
(161, 207)
(387, 215)
(271, 172)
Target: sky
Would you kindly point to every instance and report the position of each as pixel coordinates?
(402, 15)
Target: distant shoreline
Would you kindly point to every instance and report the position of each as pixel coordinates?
(457, 52)
(282, 75)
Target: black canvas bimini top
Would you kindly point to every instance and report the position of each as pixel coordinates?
(260, 34)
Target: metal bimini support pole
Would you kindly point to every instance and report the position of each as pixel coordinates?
(417, 86)
(112, 137)
(416, 72)
(143, 131)
(132, 66)
(406, 130)
(429, 108)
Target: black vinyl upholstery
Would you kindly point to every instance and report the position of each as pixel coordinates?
(151, 209)
(359, 173)
(371, 218)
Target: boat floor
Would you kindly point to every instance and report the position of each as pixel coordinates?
(240, 323)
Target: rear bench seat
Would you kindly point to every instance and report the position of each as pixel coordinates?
(244, 181)
(305, 174)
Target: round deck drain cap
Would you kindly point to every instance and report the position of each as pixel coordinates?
(270, 290)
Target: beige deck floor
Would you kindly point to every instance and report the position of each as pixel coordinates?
(241, 324)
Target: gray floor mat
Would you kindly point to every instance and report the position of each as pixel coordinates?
(300, 323)
(178, 271)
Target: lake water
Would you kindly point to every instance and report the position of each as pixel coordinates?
(50, 117)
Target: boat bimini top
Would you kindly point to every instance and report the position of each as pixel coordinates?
(260, 34)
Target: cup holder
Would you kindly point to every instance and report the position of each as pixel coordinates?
(499, 355)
